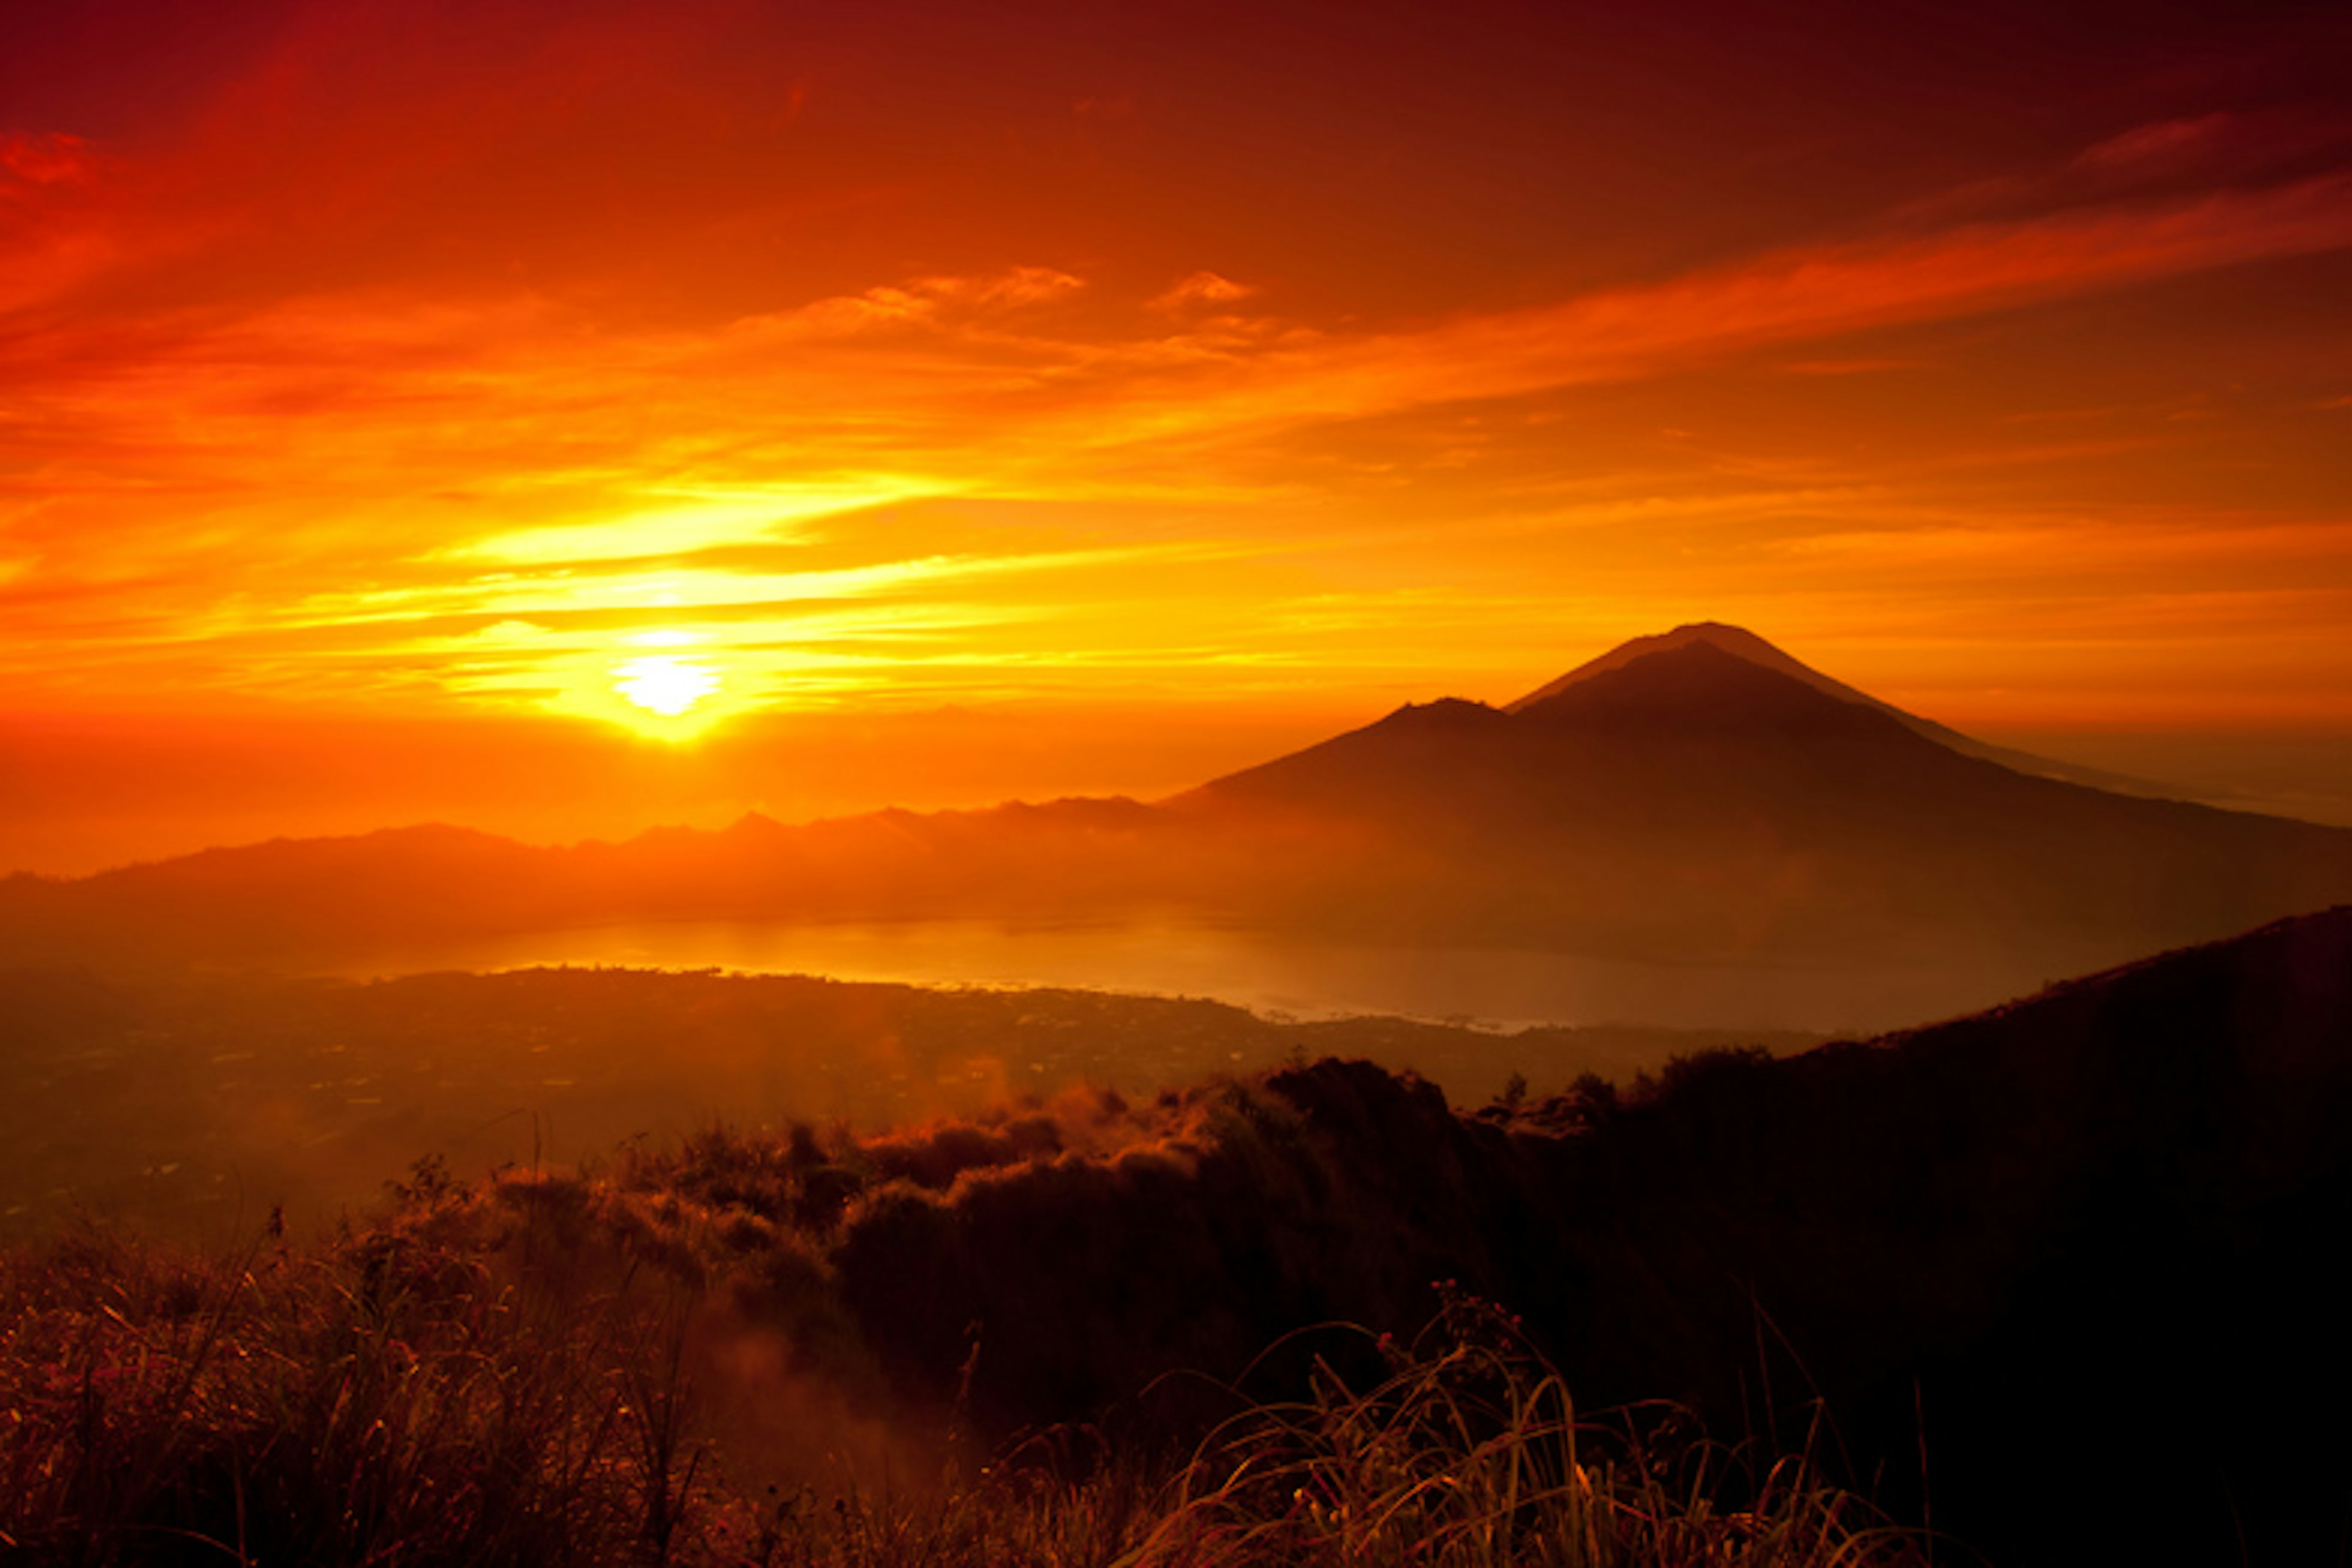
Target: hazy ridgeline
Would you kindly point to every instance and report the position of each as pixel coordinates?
(197, 1103)
(1682, 806)
(2062, 1278)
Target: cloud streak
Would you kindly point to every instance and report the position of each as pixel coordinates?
(1801, 295)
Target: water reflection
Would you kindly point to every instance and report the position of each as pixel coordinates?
(1496, 985)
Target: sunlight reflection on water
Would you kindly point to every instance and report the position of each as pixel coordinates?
(1498, 987)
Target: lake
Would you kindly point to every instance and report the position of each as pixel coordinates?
(1278, 976)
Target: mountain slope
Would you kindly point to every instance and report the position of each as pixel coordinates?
(1747, 645)
(1706, 800)
(2080, 1248)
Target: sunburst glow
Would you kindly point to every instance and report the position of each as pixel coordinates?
(665, 683)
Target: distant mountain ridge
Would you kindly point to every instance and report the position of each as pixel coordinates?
(1698, 798)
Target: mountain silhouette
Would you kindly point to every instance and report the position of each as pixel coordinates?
(1695, 799)
(1748, 646)
(1698, 684)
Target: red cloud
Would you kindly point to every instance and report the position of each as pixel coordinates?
(1203, 289)
(45, 158)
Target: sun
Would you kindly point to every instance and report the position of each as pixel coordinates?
(665, 683)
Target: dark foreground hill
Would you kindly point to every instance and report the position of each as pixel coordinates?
(1699, 800)
(2080, 1256)
(2064, 1279)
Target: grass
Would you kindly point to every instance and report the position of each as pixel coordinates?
(1470, 1452)
(435, 1389)
(382, 1401)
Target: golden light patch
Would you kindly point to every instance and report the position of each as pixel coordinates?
(754, 516)
(665, 683)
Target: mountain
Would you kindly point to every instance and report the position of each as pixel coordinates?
(1699, 801)
(1696, 683)
(1748, 646)
(1691, 799)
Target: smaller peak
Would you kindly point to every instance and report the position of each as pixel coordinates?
(1444, 711)
(420, 833)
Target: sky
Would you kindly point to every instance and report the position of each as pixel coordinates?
(563, 418)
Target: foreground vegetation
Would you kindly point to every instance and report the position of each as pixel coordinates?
(2112, 1208)
(501, 1376)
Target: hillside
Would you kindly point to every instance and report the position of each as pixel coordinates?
(2059, 1278)
(2080, 1248)
(2066, 1231)
(2061, 1235)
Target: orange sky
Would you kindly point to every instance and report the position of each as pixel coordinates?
(392, 390)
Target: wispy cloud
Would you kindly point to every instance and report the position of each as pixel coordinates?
(1201, 289)
(765, 515)
(1813, 293)
(935, 303)
(2162, 146)
(44, 158)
